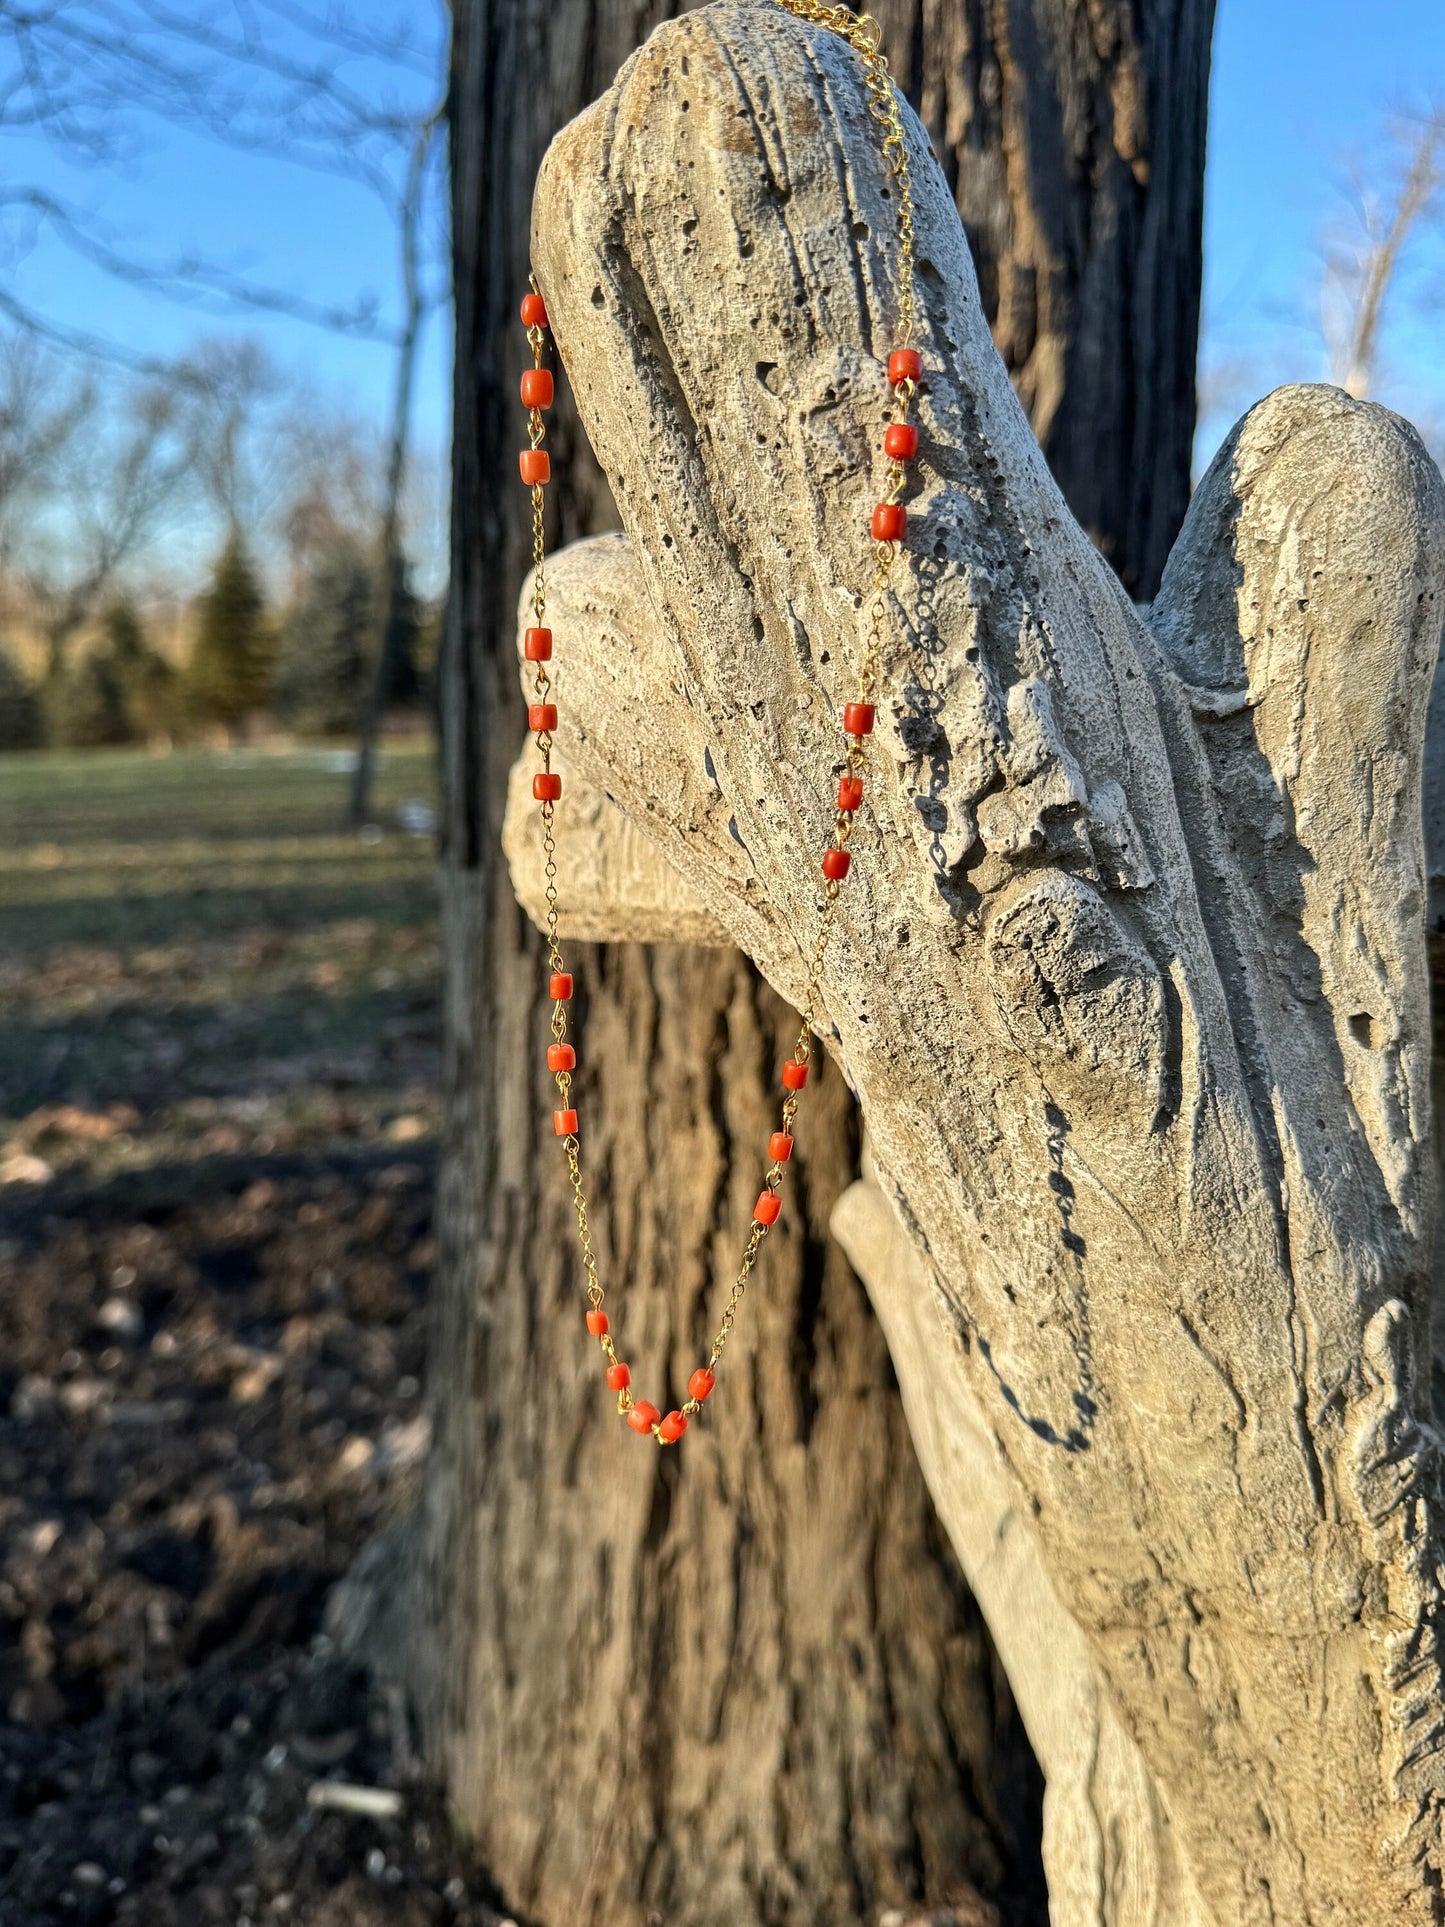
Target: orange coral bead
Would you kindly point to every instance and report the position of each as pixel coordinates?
(534, 311)
(618, 1377)
(700, 1384)
(836, 864)
(598, 1323)
(858, 718)
(537, 645)
(559, 986)
(850, 792)
(541, 716)
(672, 1428)
(643, 1417)
(795, 1075)
(766, 1210)
(537, 388)
(564, 1123)
(546, 786)
(561, 1057)
(901, 441)
(780, 1147)
(904, 364)
(889, 521)
(535, 465)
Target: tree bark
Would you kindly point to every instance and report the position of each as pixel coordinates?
(1072, 138)
(750, 1687)
(1130, 977)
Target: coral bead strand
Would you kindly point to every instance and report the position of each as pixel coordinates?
(888, 527)
(538, 391)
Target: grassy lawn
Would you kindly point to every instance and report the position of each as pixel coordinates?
(124, 847)
(194, 957)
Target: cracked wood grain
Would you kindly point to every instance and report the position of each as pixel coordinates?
(1129, 977)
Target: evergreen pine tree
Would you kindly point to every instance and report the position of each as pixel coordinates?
(326, 645)
(22, 723)
(230, 669)
(407, 679)
(150, 683)
(87, 705)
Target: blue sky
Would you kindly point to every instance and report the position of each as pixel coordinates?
(323, 237)
(1297, 83)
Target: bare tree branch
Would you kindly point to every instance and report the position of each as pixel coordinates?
(1362, 264)
(78, 341)
(392, 561)
(313, 83)
(190, 279)
(36, 425)
(224, 389)
(397, 48)
(117, 479)
(276, 81)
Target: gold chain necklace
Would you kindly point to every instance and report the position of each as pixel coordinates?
(900, 444)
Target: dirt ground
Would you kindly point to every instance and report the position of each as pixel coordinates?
(218, 1125)
(218, 1052)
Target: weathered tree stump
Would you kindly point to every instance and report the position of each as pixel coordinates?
(1129, 976)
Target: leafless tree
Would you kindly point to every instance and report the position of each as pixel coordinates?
(279, 77)
(39, 413)
(231, 399)
(270, 77)
(332, 464)
(118, 472)
(391, 561)
(1371, 273)
(1363, 257)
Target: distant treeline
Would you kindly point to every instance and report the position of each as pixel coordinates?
(306, 664)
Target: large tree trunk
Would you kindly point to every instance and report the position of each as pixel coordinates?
(1072, 137)
(749, 1685)
(1130, 976)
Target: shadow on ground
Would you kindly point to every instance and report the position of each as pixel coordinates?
(217, 1160)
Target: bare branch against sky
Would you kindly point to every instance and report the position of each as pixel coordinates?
(292, 82)
(186, 278)
(92, 94)
(117, 464)
(1391, 204)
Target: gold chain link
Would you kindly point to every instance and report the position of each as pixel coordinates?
(864, 35)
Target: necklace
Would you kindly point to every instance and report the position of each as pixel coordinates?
(886, 529)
